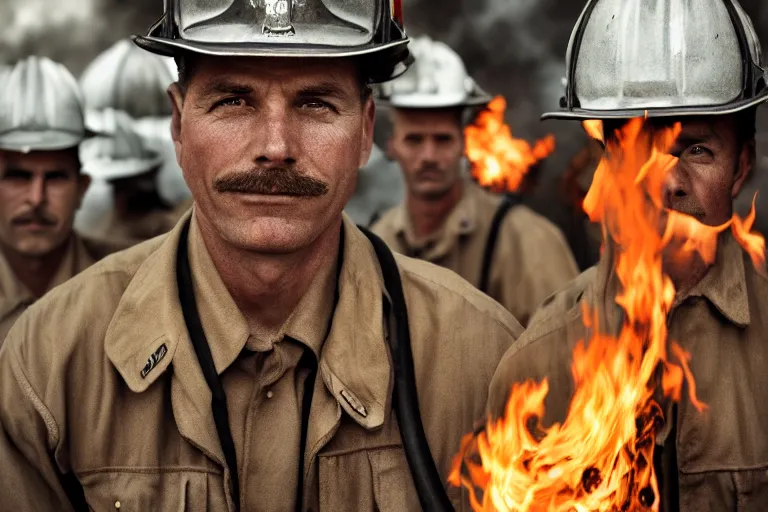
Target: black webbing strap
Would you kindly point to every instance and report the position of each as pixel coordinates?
(509, 202)
(204, 357)
(219, 398)
(426, 478)
(665, 464)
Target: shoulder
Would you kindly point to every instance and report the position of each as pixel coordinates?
(451, 303)
(387, 221)
(544, 349)
(73, 318)
(523, 221)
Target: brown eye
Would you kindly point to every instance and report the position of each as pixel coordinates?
(230, 102)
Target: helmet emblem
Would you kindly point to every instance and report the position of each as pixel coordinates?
(277, 17)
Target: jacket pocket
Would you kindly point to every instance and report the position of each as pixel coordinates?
(374, 480)
(129, 490)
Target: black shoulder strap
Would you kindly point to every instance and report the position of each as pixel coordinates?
(509, 202)
(203, 351)
(425, 476)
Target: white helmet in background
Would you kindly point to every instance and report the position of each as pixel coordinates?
(124, 77)
(437, 79)
(630, 58)
(117, 151)
(41, 108)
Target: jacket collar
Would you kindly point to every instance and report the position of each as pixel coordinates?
(461, 221)
(354, 360)
(724, 285)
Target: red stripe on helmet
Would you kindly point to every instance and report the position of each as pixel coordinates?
(397, 11)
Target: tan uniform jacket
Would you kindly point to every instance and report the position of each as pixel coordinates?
(108, 388)
(15, 298)
(531, 259)
(722, 453)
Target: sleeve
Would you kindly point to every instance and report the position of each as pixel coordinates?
(31, 480)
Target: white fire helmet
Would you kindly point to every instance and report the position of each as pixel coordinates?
(437, 79)
(117, 151)
(126, 78)
(370, 30)
(41, 108)
(630, 58)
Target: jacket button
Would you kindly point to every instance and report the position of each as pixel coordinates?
(117, 505)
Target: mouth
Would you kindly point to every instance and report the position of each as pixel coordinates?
(429, 175)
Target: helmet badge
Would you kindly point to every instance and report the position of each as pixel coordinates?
(277, 16)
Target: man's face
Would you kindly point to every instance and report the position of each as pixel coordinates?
(39, 195)
(270, 148)
(711, 171)
(428, 145)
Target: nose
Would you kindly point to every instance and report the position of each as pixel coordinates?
(273, 139)
(429, 151)
(36, 194)
(675, 186)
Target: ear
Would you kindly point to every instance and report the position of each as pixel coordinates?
(177, 104)
(369, 118)
(744, 167)
(83, 183)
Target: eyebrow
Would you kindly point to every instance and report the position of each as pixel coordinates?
(226, 87)
(324, 89)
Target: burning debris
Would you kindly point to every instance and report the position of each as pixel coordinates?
(601, 457)
(500, 161)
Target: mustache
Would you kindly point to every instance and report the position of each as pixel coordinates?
(37, 216)
(283, 181)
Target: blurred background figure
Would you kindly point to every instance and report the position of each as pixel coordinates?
(135, 82)
(507, 251)
(379, 188)
(41, 185)
(118, 157)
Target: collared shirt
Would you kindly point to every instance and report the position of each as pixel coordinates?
(15, 297)
(110, 389)
(531, 259)
(262, 377)
(722, 454)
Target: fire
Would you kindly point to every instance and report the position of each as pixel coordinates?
(601, 457)
(500, 161)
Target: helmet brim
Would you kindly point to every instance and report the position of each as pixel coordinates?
(109, 170)
(704, 110)
(24, 141)
(175, 47)
(429, 102)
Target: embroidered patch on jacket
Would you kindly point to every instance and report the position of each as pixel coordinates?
(155, 358)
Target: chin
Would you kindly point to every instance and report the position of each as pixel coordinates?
(273, 235)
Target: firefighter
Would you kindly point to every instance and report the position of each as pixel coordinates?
(710, 79)
(41, 185)
(379, 188)
(445, 217)
(125, 78)
(266, 354)
(119, 157)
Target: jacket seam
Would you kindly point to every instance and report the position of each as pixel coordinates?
(348, 451)
(148, 470)
(37, 403)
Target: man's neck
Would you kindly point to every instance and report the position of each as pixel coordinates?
(268, 287)
(428, 214)
(36, 272)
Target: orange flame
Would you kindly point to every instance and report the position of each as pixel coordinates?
(594, 128)
(499, 161)
(601, 457)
